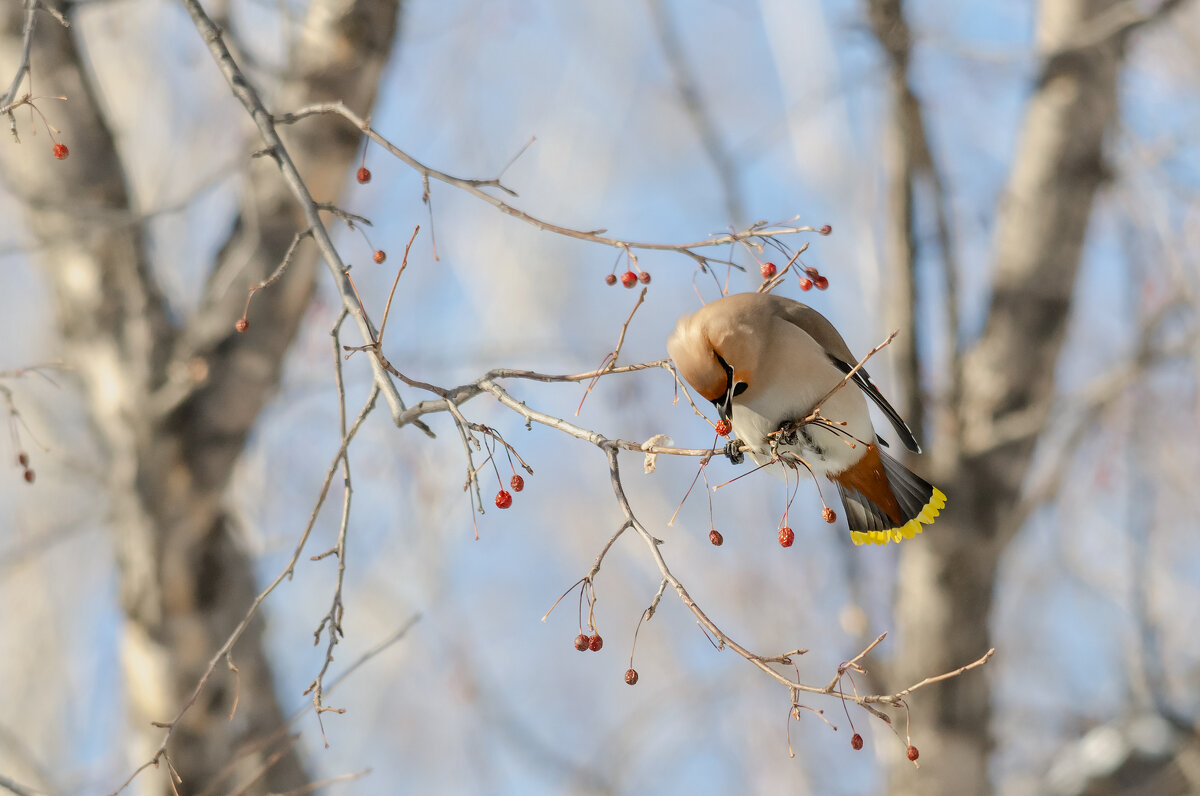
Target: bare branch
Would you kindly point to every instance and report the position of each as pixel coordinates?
(11, 99)
(244, 90)
(475, 188)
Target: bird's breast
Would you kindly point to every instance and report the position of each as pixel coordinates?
(827, 448)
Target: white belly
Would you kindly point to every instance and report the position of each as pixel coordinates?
(827, 448)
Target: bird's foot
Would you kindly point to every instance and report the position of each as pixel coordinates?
(787, 434)
(733, 451)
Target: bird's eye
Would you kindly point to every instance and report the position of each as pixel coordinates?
(740, 388)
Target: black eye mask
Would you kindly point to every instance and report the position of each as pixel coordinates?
(724, 404)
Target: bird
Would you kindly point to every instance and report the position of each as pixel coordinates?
(765, 362)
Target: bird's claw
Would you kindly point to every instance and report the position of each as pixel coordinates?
(788, 434)
(733, 451)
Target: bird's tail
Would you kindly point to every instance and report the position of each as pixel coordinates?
(909, 503)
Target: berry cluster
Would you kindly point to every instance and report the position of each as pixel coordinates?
(504, 497)
(629, 278)
(23, 461)
(593, 642)
(813, 278)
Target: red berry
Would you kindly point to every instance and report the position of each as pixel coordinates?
(380, 256)
(826, 230)
(61, 151)
(828, 515)
(611, 279)
(805, 283)
(29, 476)
(856, 742)
(724, 427)
(242, 325)
(812, 272)
(581, 643)
(644, 277)
(503, 499)
(631, 676)
(23, 459)
(595, 642)
(629, 279)
(364, 174)
(716, 538)
(517, 483)
(767, 270)
(821, 282)
(786, 537)
(913, 754)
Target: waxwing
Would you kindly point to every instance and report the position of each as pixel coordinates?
(765, 361)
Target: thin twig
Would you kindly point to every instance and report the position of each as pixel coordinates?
(11, 100)
(286, 573)
(333, 620)
(387, 308)
(278, 272)
(610, 359)
(475, 188)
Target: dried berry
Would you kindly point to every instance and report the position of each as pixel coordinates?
(631, 676)
(517, 483)
(380, 256)
(767, 270)
(826, 230)
(629, 279)
(716, 538)
(913, 754)
(595, 642)
(29, 476)
(364, 174)
(821, 282)
(503, 499)
(242, 325)
(828, 514)
(644, 277)
(786, 537)
(610, 279)
(856, 742)
(581, 643)
(23, 459)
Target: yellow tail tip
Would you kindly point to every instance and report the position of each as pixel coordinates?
(929, 512)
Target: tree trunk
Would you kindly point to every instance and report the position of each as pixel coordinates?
(173, 403)
(945, 587)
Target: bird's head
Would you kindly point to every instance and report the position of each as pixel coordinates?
(715, 356)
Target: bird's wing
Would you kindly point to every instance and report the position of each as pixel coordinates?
(818, 327)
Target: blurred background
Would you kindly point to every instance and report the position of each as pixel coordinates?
(1015, 186)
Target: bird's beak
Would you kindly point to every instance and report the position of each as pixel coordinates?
(725, 405)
